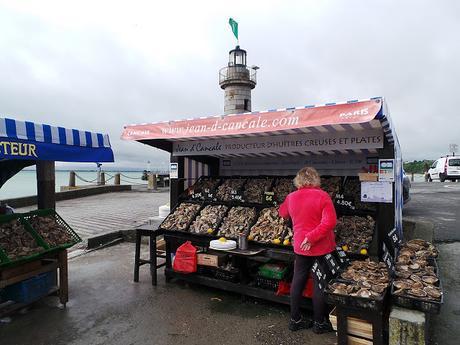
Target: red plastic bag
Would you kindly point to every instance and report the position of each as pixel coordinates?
(284, 288)
(185, 260)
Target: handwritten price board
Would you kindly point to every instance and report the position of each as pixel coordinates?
(344, 201)
(269, 198)
(394, 238)
(388, 258)
(321, 274)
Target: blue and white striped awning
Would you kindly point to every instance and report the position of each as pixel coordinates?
(32, 141)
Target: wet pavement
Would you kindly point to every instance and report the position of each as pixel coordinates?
(107, 307)
(438, 203)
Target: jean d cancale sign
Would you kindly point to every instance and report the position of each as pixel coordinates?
(366, 139)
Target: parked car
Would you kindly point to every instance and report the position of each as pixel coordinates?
(406, 187)
(445, 168)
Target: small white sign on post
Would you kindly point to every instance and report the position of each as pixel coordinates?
(377, 192)
(453, 148)
(173, 170)
(386, 170)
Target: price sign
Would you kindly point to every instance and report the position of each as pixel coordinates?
(237, 197)
(343, 201)
(233, 192)
(388, 258)
(321, 274)
(394, 238)
(196, 196)
(332, 264)
(269, 198)
(341, 254)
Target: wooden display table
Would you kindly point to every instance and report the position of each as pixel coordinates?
(56, 262)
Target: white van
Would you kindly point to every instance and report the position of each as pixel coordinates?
(445, 168)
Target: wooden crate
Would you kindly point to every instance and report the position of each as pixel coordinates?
(356, 327)
(358, 341)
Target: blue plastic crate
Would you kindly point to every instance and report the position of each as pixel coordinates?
(31, 289)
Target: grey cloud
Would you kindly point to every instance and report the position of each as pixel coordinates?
(88, 78)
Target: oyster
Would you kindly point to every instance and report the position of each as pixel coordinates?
(417, 292)
(181, 217)
(354, 231)
(224, 191)
(433, 292)
(255, 188)
(400, 284)
(208, 219)
(16, 242)
(238, 220)
(50, 230)
(283, 188)
(269, 226)
(430, 279)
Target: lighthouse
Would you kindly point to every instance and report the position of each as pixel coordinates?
(237, 80)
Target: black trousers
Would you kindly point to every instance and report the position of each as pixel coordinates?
(302, 267)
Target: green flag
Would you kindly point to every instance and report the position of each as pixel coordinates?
(234, 26)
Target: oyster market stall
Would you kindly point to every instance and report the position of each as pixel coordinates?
(33, 246)
(225, 167)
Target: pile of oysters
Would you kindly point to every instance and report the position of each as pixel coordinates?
(255, 188)
(237, 221)
(331, 185)
(205, 184)
(50, 230)
(181, 217)
(355, 232)
(208, 219)
(367, 279)
(224, 192)
(16, 242)
(415, 276)
(283, 188)
(269, 226)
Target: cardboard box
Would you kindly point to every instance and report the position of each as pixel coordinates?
(212, 260)
(368, 177)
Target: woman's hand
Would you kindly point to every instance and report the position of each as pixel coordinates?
(305, 245)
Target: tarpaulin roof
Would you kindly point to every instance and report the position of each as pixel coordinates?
(32, 141)
(315, 121)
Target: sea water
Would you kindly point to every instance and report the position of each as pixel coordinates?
(24, 183)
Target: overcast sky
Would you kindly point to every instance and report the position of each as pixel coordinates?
(97, 65)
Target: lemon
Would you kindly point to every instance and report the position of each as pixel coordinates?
(363, 251)
(210, 231)
(276, 241)
(286, 242)
(250, 237)
(222, 239)
(345, 248)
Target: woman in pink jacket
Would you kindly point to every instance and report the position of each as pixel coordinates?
(313, 219)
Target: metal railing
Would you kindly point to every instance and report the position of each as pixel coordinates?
(227, 74)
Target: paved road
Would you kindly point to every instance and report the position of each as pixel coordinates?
(99, 214)
(438, 203)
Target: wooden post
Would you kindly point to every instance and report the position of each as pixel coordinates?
(102, 178)
(72, 179)
(63, 277)
(117, 179)
(412, 177)
(46, 185)
(150, 184)
(155, 182)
